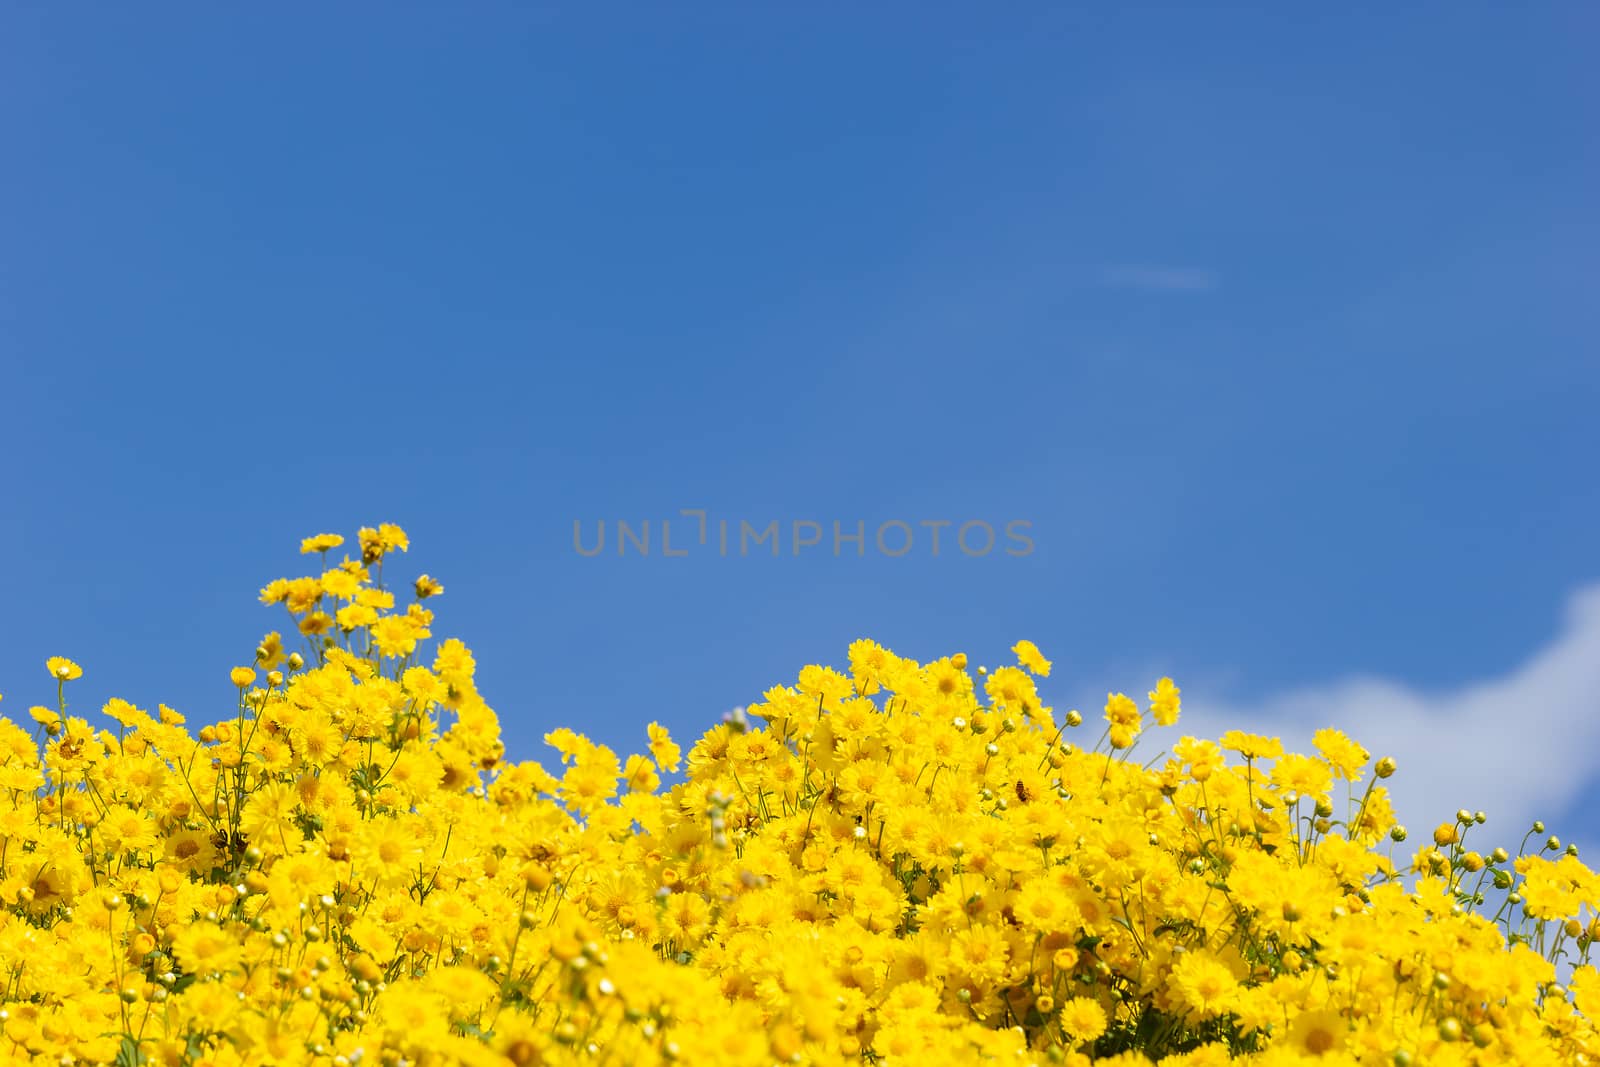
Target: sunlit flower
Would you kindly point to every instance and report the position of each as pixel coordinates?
(63, 669)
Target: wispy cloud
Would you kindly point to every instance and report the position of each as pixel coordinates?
(1171, 279)
(1521, 747)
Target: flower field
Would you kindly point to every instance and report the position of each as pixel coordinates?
(890, 863)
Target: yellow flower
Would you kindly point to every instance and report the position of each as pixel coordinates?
(1164, 702)
(270, 652)
(63, 669)
(1123, 712)
(640, 774)
(662, 750)
(394, 635)
(205, 947)
(354, 616)
(1029, 656)
(1303, 775)
(1318, 1033)
(340, 583)
(1251, 746)
(125, 830)
(242, 677)
(1204, 758)
(389, 851)
(1203, 983)
(320, 543)
(386, 538)
(1082, 1019)
(315, 623)
(1346, 757)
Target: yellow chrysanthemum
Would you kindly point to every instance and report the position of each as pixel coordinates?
(63, 669)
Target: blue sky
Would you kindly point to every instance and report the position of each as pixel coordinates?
(1278, 329)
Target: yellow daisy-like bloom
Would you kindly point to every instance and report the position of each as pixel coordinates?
(320, 543)
(1082, 1019)
(1121, 711)
(394, 635)
(1251, 746)
(1203, 983)
(640, 774)
(340, 583)
(1164, 703)
(1344, 755)
(662, 749)
(242, 677)
(1318, 1033)
(317, 622)
(63, 669)
(1029, 656)
(270, 652)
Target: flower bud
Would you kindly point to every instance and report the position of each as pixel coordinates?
(1385, 767)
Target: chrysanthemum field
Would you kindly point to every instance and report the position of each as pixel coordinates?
(890, 863)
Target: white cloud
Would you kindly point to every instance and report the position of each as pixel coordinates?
(1174, 279)
(1520, 747)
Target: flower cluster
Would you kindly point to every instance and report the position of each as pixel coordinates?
(894, 863)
